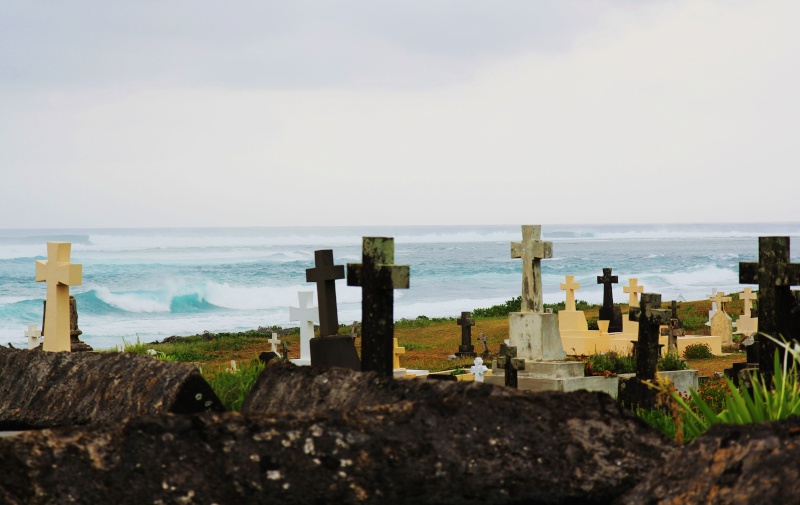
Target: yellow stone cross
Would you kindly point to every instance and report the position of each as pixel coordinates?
(720, 298)
(633, 289)
(397, 352)
(748, 296)
(570, 287)
(59, 274)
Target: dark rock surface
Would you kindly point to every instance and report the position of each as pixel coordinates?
(411, 441)
(47, 389)
(729, 464)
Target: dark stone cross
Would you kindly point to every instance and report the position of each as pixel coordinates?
(378, 277)
(482, 339)
(466, 349)
(778, 312)
(608, 312)
(507, 359)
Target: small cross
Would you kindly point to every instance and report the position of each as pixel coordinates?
(59, 274)
(721, 299)
(397, 351)
(325, 274)
(748, 297)
(33, 334)
(633, 289)
(307, 316)
(532, 250)
(274, 341)
(570, 287)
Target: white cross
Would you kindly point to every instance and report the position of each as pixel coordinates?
(633, 289)
(274, 341)
(570, 287)
(33, 334)
(307, 316)
(60, 274)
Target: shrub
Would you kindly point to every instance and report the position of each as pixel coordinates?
(608, 364)
(697, 351)
(512, 305)
(671, 361)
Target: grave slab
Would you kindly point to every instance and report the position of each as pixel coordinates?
(536, 336)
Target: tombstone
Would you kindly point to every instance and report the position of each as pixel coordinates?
(533, 333)
(33, 334)
(466, 349)
(59, 274)
(650, 316)
(570, 319)
(630, 329)
(478, 369)
(485, 353)
(778, 312)
(284, 351)
(330, 348)
(747, 324)
(713, 310)
(75, 343)
(678, 323)
(609, 312)
(274, 341)
(378, 277)
(307, 315)
(721, 324)
(508, 361)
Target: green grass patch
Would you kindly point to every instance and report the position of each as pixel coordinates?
(232, 387)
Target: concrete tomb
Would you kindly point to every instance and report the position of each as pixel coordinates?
(747, 324)
(307, 315)
(466, 349)
(623, 342)
(534, 333)
(721, 324)
(609, 312)
(59, 274)
(330, 348)
(576, 337)
(378, 277)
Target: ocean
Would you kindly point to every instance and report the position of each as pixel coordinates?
(153, 283)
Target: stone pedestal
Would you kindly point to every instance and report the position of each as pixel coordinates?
(747, 325)
(722, 326)
(536, 336)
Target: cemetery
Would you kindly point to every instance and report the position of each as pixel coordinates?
(536, 403)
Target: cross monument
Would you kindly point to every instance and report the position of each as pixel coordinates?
(59, 274)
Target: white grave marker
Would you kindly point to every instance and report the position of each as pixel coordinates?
(307, 315)
(33, 334)
(478, 369)
(274, 341)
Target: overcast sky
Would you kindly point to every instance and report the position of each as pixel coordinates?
(200, 113)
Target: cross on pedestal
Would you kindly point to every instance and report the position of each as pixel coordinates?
(721, 300)
(325, 274)
(33, 334)
(274, 341)
(396, 352)
(482, 339)
(607, 312)
(532, 250)
(378, 277)
(466, 322)
(748, 297)
(633, 289)
(570, 287)
(777, 307)
(59, 274)
(307, 316)
(713, 304)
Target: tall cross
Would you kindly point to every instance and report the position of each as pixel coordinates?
(674, 308)
(33, 334)
(570, 287)
(378, 277)
(396, 352)
(532, 250)
(607, 310)
(466, 322)
(775, 275)
(748, 297)
(274, 341)
(307, 316)
(721, 300)
(59, 274)
(325, 274)
(633, 289)
(651, 317)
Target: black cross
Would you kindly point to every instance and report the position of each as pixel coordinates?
(777, 306)
(507, 359)
(325, 274)
(378, 278)
(466, 322)
(650, 316)
(607, 310)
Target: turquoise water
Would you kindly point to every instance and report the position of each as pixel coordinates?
(153, 283)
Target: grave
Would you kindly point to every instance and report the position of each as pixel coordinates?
(778, 308)
(307, 315)
(378, 277)
(330, 348)
(59, 274)
(721, 323)
(33, 333)
(482, 339)
(478, 369)
(623, 342)
(747, 325)
(466, 349)
(713, 310)
(274, 341)
(75, 343)
(609, 312)
(576, 337)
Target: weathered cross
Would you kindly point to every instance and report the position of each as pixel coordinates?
(674, 308)
(532, 250)
(378, 277)
(466, 322)
(651, 317)
(325, 274)
(396, 352)
(274, 341)
(508, 361)
(307, 316)
(775, 275)
(570, 287)
(748, 297)
(633, 289)
(482, 339)
(59, 274)
(721, 300)
(33, 334)
(607, 310)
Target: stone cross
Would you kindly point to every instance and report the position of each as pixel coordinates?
(651, 317)
(466, 322)
(532, 250)
(721, 300)
(713, 310)
(325, 274)
(607, 311)
(507, 359)
(570, 287)
(274, 341)
(396, 352)
(378, 277)
(748, 297)
(59, 274)
(307, 315)
(777, 306)
(33, 336)
(633, 289)
(482, 339)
